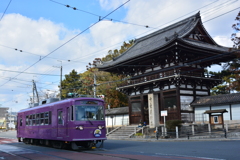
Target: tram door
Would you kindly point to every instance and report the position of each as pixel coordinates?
(20, 125)
(61, 127)
(67, 121)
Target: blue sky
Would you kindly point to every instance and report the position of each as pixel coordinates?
(44, 27)
(56, 12)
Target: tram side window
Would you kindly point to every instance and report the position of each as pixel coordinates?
(72, 113)
(42, 118)
(46, 116)
(30, 120)
(21, 122)
(60, 117)
(50, 117)
(33, 119)
(27, 123)
(68, 113)
(37, 119)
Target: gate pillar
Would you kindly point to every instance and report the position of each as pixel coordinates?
(153, 110)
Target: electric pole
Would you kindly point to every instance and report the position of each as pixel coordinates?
(60, 86)
(34, 90)
(94, 64)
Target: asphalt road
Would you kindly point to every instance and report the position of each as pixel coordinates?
(123, 149)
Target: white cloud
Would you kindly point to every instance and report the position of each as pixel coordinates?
(223, 41)
(110, 4)
(43, 36)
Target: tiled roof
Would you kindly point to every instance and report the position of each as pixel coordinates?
(216, 100)
(215, 111)
(160, 39)
(115, 111)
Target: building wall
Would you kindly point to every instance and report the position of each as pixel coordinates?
(117, 120)
(234, 110)
(199, 116)
(226, 116)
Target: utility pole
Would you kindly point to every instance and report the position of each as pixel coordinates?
(97, 60)
(34, 89)
(94, 85)
(60, 86)
(61, 82)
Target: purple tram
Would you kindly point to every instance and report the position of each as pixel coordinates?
(74, 122)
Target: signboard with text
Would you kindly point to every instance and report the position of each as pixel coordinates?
(163, 113)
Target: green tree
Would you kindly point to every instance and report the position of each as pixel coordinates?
(109, 81)
(231, 70)
(235, 35)
(71, 83)
(106, 85)
(233, 67)
(115, 53)
(224, 87)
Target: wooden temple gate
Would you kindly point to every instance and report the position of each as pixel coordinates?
(167, 70)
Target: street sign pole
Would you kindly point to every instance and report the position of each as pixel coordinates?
(164, 114)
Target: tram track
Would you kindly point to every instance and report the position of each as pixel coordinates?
(11, 152)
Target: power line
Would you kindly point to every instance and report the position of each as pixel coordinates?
(221, 15)
(154, 29)
(208, 20)
(99, 16)
(69, 40)
(22, 72)
(6, 9)
(20, 50)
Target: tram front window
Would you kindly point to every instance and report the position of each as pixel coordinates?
(94, 113)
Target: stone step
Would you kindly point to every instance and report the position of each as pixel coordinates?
(123, 132)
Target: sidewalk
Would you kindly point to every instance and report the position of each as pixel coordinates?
(191, 138)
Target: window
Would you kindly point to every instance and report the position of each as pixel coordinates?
(72, 113)
(89, 112)
(50, 117)
(37, 119)
(170, 102)
(60, 117)
(46, 118)
(30, 120)
(33, 119)
(215, 119)
(68, 114)
(27, 123)
(136, 107)
(41, 118)
(21, 122)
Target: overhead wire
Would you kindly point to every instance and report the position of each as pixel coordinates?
(168, 68)
(218, 16)
(5, 10)
(99, 16)
(157, 27)
(69, 40)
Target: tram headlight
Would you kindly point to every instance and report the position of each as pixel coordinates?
(79, 127)
(100, 127)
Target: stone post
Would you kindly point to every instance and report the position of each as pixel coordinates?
(176, 131)
(153, 110)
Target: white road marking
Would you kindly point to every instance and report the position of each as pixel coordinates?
(13, 150)
(188, 156)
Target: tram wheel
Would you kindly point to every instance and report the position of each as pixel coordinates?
(88, 145)
(26, 140)
(19, 139)
(99, 144)
(57, 144)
